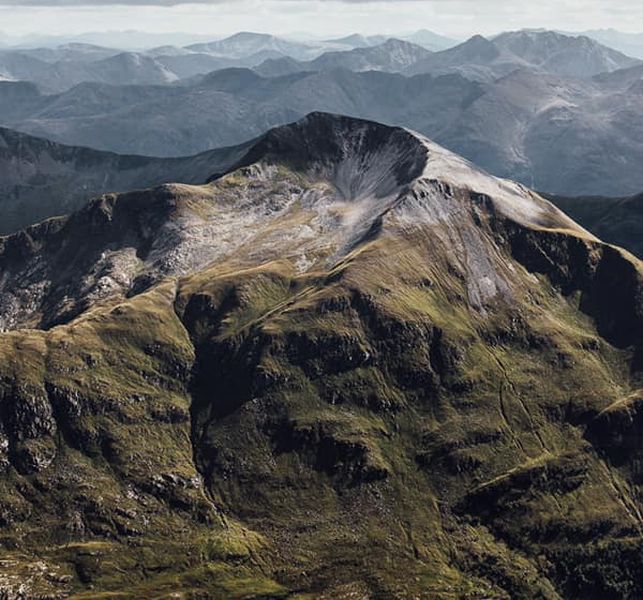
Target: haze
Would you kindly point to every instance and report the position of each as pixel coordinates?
(457, 18)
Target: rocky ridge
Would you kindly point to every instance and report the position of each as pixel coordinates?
(351, 345)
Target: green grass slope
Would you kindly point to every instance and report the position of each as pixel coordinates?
(356, 429)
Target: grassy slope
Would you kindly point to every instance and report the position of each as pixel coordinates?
(251, 432)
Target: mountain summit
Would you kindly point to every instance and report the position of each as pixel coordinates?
(350, 345)
(543, 51)
(345, 179)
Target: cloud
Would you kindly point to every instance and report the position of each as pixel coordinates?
(62, 3)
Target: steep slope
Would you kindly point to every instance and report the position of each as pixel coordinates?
(353, 346)
(625, 42)
(40, 179)
(618, 221)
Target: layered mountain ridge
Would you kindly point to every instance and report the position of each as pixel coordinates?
(351, 344)
(505, 124)
(359, 175)
(42, 179)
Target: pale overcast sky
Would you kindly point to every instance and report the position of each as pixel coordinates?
(321, 17)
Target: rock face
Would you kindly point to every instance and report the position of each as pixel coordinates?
(352, 345)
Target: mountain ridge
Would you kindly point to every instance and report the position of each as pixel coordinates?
(547, 51)
(44, 179)
(386, 352)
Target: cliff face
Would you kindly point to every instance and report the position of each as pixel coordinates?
(354, 366)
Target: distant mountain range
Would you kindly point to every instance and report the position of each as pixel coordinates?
(392, 56)
(546, 51)
(558, 113)
(41, 179)
(60, 68)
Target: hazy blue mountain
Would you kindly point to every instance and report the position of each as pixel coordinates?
(576, 56)
(245, 44)
(429, 40)
(494, 101)
(545, 51)
(123, 68)
(356, 40)
(628, 43)
(41, 179)
(73, 51)
(393, 56)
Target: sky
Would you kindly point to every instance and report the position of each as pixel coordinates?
(217, 18)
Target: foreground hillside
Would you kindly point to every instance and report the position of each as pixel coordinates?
(354, 366)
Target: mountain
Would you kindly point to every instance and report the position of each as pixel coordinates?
(545, 51)
(245, 44)
(478, 58)
(132, 39)
(16, 65)
(125, 68)
(551, 52)
(354, 345)
(41, 179)
(391, 56)
(72, 51)
(618, 221)
(224, 108)
(193, 64)
(423, 37)
(429, 40)
(627, 43)
(627, 81)
(557, 134)
(130, 68)
(278, 67)
(357, 40)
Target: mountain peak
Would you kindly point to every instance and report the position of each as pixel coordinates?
(311, 191)
(244, 36)
(476, 47)
(563, 54)
(351, 345)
